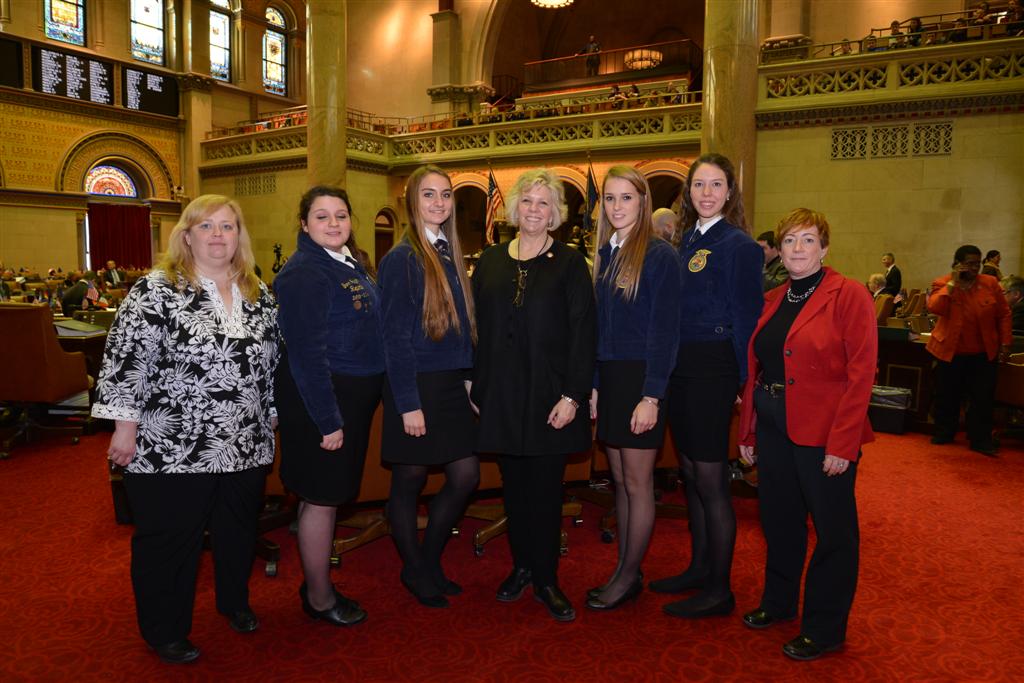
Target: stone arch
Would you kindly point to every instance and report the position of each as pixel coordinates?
(671, 167)
(469, 179)
(133, 154)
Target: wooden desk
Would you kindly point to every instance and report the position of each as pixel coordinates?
(91, 345)
(907, 364)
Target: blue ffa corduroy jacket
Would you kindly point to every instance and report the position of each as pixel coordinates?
(330, 319)
(646, 328)
(407, 348)
(722, 292)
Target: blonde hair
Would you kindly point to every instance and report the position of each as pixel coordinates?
(529, 180)
(626, 269)
(440, 313)
(179, 262)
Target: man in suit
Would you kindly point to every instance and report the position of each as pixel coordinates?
(893, 277)
(774, 273)
(112, 276)
(1013, 288)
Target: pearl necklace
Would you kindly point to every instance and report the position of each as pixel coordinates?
(797, 298)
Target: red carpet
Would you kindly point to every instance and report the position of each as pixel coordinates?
(939, 597)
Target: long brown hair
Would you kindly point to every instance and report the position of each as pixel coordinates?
(178, 261)
(733, 209)
(440, 313)
(626, 269)
(306, 205)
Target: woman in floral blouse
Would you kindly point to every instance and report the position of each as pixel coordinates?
(188, 377)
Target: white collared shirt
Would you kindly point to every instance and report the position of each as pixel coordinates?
(615, 241)
(704, 227)
(343, 256)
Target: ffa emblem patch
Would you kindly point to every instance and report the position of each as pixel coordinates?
(699, 260)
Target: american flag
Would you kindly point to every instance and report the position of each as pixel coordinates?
(494, 200)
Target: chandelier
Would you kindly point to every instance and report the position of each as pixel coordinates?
(551, 4)
(642, 58)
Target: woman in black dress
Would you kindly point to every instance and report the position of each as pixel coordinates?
(637, 287)
(534, 367)
(328, 385)
(429, 333)
(720, 301)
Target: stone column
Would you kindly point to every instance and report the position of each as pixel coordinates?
(730, 88)
(326, 68)
(197, 110)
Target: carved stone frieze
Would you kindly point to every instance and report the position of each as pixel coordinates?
(114, 145)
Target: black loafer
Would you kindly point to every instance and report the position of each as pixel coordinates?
(759, 618)
(178, 652)
(804, 649)
(511, 589)
(446, 585)
(698, 608)
(554, 599)
(343, 612)
(988, 449)
(597, 590)
(632, 593)
(244, 621)
(676, 584)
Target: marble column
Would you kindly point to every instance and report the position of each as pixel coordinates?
(197, 112)
(326, 65)
(730, 88)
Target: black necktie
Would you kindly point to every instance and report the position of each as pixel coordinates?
(443, 250)
(611, 257)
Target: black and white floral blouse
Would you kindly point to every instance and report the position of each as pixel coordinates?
(198, 382)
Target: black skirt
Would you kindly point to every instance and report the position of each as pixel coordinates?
(621, 387)
(318, 476)
(703, 393)
(451, 426)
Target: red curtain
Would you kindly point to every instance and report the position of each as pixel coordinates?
(120, 232)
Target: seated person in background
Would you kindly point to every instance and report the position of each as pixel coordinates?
(845, 48)
(633, 96)
(774, 272)
(5, 291)
(959, 34)
(616, 97)
(914, 32)
(81, 295)
(114, 276)
(666, 225)
(1014, 18)
(876, 284)
(982, 15)
(1013, 288)
(870, 44)
(897, 38)
(990, 266)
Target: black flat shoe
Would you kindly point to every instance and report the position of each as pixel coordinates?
(597, 590)
(632, 593)
(941, 439)
(990, 449)
(697, 607)
(179, 652)
(424, 590)
(759, 619)
(446, 585)
(676, 584)
(343, 612)
(554, 599)
(511, 589)
(243, 621)
(804, 649)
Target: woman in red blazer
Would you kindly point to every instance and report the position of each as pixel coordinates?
(804, 418)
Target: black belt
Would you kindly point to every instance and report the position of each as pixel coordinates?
(774, 390)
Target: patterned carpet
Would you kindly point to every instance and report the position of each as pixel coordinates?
(939, 596)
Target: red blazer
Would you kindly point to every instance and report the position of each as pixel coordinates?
(993, 311)
(831, 356)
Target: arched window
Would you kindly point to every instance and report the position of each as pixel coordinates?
(275, 46)
(148, 31)
(65, 20)
(111, 181)
(220, 40)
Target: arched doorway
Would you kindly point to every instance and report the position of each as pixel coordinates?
(383, 234)
(471, 217)
(666, 192)
(117, 227)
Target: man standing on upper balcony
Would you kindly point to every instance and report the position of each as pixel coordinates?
(592, 48)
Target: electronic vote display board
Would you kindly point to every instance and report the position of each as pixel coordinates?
(10, 64)
(78, 77)
(149, 91)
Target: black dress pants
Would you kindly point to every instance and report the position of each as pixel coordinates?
(791, 485)
(533, 504)
(973, 375)
(171, 513)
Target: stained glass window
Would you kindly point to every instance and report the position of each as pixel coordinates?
(275, 44)
(65, 20)
(110, 180)
(148, 30)
(220, 45)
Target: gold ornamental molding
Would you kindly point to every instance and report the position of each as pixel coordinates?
(77, 201)
(123, 149)
(262, 167)
(945, 107)
(53, 103)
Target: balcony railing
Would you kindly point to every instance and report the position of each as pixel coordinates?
(642, 62)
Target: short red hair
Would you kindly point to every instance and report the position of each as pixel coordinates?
(798, 218)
